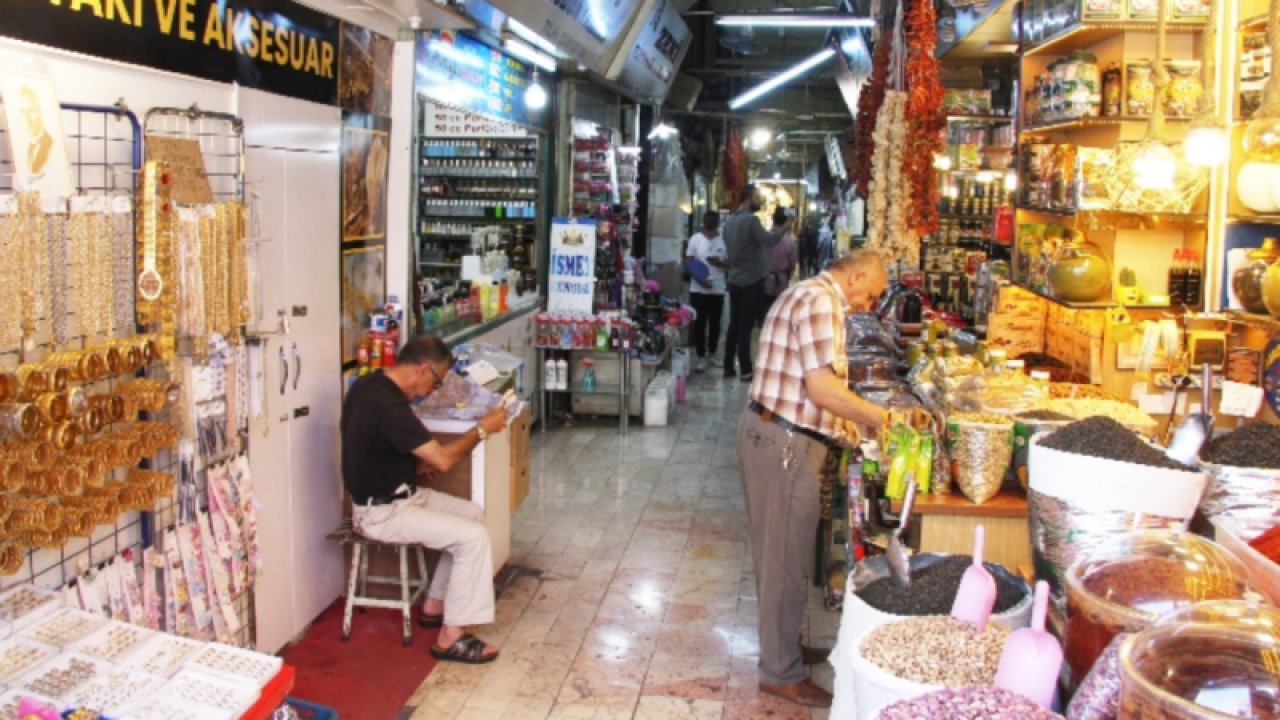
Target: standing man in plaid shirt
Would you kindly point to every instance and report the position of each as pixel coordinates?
(800, 405)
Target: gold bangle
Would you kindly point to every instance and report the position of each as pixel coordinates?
(52, 407)
(21, 419)
(32, 381)
(11, 559)
(61, 436)
(9, 387)
(76, 400)
(61, 378)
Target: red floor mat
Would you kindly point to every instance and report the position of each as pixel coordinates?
(372, 676)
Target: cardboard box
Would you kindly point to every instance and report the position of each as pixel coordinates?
(1017, 334)
(1013, 300)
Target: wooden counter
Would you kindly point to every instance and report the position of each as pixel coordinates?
(947, 523)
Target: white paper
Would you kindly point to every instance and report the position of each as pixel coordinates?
(1240, 399)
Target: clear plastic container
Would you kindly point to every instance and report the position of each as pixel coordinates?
(1132, 583)
(1212, 661)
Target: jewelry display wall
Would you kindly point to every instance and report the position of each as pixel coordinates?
(62, 374)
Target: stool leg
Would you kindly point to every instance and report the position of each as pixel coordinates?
(425, 587)
(364, 573)
(406, 606)
(356, 549)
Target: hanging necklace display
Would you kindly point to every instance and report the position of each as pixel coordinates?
(30, 239)
(10, 280)
(192, 314)
(122, 262)
(157, 296)
(56, 249)
(239, 281)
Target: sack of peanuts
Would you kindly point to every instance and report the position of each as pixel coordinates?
(980, 445)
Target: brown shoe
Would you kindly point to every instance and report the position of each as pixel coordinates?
(802, 693)
(814, 655)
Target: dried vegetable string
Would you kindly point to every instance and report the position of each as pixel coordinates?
(869, 103)
(926, 117)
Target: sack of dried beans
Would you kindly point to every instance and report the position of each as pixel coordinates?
(1094, 482)
(1244, 479)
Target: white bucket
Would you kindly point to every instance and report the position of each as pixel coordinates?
(656, 404)
(874, 688)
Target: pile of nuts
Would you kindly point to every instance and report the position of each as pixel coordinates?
(970, 703)
(937, 650)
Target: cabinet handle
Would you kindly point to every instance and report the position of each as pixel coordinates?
(284, 371)
(297, 366)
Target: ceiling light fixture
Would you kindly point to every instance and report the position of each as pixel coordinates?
(794, 20)
(524, 33)
(526, 52)
(663, 131)
(782, 78)
(760, 137)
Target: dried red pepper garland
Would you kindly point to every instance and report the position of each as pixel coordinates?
(925, 115)
(869, 103)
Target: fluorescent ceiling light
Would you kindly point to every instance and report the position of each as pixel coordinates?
(784, 77)
(526, 52)
(663, 131)
(531, 37)
(629, 150)
(794, 20)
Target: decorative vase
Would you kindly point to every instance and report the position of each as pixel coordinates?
(1247, 281)
(1271, 289)
(1080, 272)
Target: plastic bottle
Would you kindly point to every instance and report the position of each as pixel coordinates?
(602, 334)
(503, 292)
(562, 374)
(1192, 279)
(588, 375)
(1177, 278)
(549, 378)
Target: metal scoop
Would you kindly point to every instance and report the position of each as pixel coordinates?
(896, 555)
(1195, 428)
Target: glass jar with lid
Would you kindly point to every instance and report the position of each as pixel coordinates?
(1126, 586)
(1210, 661)
(1248, 280)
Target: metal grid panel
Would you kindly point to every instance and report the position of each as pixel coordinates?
(221, 138)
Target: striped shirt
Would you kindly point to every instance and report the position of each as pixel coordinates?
(803, 332)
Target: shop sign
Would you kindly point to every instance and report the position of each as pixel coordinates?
(277, 46)
(835, 158)
(441, 121)
(464, 73)
(573, 265)
(590, 31)
(657, 47)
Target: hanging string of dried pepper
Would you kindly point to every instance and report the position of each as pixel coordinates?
(869, 103)
(926, 116)
(734, 169)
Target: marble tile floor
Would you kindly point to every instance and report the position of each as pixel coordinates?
(634, 595)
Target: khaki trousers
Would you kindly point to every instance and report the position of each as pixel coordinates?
(782, 523)
(464, 575)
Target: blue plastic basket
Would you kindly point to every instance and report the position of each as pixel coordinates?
(311, 711)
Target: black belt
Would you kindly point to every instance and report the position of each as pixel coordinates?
(770, 416)
(376, 501)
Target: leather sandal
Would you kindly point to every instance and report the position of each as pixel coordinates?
(431, 622)
(802, 693)
(814, 655)
(469, 649)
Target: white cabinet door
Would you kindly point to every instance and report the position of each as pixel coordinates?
(269, 450)
(314, 396)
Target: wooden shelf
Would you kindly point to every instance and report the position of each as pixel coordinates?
(1131, 219)
(1096, 305)
(1092, 122)
(1091, 33)
(1257, 21)
(1007, 505)
(980, 118)
(1261, 219)
(1253, 318)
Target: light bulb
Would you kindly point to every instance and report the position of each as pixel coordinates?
(760, 137)
(1155, 167)
(942, 162)
(1010, 181)
(1206, 146)
(535, 96)
(812, 206)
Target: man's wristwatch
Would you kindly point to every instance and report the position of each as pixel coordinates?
(482, 432)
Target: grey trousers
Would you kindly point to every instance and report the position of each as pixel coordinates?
(782, 522)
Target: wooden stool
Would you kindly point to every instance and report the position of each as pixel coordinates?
(410, 591)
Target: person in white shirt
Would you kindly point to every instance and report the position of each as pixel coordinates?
(707, 297)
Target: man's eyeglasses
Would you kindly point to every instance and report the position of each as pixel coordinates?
(439, 379)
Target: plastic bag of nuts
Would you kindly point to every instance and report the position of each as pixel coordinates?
(980, 447)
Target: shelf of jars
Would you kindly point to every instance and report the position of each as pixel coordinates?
(1089, 33)
(1091, 122)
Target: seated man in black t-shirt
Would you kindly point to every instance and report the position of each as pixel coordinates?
(383, 443)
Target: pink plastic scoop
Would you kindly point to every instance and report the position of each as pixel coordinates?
(1032, 658)
(976, 596)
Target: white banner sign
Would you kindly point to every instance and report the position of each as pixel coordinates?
(441, 121)
(573, 265)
